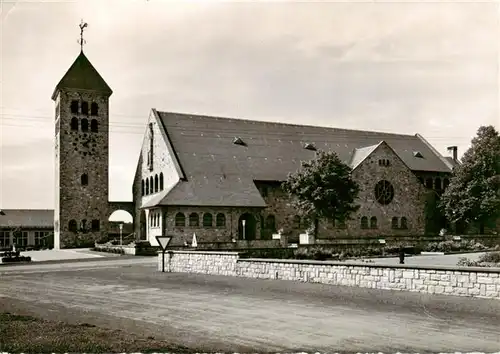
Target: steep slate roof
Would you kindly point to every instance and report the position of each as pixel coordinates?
(82, 75)
(29, 218)
(220, 172)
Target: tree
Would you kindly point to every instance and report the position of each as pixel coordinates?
(323, 189)
(473, 195)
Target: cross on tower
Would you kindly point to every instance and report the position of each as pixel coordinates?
(82, 41)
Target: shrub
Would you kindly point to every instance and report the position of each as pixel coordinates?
(490, 257)
(465, 262)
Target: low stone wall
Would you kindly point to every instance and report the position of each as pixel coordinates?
(206, 262)
(459, 281)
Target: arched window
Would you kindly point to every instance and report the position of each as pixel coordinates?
(85, 125)
(373, 222)
(446, 183)
(194, 220)
(161, 181)
(404, 223)
(74, 123)
(180, 220)
(147, 186)
(156, 183)
(151, 185)
(85, 108)
(95, 225)
(437, 184)
(395, 223)
(364, 222)
(94, 126)
(296, 222)
(84, 179)
(271, 222)
(74, 107)
(83, 225)
(429, 183)
(72, 225)
(207, 220)
(94, 109)
(220, 220)
(142, 187)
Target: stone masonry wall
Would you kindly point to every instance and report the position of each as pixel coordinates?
(78, 153)
(199, 262)
(207, 234)
(473, 282)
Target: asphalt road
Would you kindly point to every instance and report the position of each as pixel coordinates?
(214, 313)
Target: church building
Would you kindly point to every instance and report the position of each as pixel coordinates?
(221, 177)
(212, 175)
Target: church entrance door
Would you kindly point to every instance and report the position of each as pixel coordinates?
(248, 231)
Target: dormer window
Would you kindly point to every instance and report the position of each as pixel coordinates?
(238, 141)
(418, 154)
(310, 146)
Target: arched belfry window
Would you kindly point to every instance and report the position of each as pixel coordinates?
(85, 125)
(84, 179)
(156, 183)
(94, 109)
(85, 108)
(74, 123)
(161, 181)
(142, 187)
(74, 107)
(147, 186)
(94, 126)
(151, 185)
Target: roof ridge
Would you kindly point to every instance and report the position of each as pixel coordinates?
(284, 123)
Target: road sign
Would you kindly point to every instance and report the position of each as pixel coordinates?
(163, 241)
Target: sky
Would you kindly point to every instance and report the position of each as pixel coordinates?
(406, 67)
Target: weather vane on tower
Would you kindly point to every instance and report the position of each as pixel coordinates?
(82, 41)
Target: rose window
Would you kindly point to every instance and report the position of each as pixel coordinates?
(384, 192)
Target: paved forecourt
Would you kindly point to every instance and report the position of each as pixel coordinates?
(238, 314)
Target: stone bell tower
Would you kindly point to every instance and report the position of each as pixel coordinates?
(81, 155)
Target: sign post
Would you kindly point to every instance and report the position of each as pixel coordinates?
(163, 241)
(243, 222)
(382, 242)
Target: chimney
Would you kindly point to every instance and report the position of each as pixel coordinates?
(454, 149)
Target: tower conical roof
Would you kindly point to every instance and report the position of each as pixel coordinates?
(82, 75)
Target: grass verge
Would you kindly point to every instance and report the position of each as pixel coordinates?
(32, 335)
